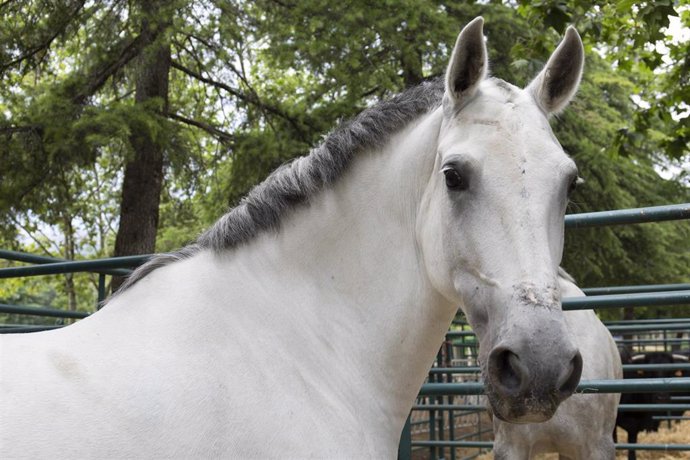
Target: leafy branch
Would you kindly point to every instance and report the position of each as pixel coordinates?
(249, 98)
(44, 45)
(216, 132)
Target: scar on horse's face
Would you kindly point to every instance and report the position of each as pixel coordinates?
(498, 203)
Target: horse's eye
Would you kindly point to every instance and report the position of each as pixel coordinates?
(454, 180)
(577, 180)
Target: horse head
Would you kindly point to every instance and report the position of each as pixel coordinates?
(491, 224)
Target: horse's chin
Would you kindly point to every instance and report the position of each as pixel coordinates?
(524, 419)
(521, 411)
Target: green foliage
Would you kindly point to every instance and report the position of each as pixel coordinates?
(619, 255)
(254, 84)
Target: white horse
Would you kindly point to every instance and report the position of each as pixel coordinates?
(281, 332)
(582, 427)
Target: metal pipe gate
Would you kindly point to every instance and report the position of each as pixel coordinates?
(435, 399)
(441, 386)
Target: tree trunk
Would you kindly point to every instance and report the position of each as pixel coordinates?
(69, 255)
(143, 177)
(411, 63)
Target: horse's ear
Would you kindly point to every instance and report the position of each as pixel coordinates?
(467, 66)
(557, 83)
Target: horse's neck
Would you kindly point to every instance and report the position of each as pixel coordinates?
(338, 294)
(349, 268)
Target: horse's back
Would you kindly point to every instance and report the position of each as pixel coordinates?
(137, 384)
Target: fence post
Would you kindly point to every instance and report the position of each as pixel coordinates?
(405, 446)
(101, 290)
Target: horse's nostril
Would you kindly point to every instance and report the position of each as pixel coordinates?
(507, 370)
(571, 377)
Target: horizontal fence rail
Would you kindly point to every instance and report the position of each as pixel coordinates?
(490, 445)
(649, 327)
(42, 311)
(627, 300)
(626, 367)
(651, 385)
(56, 268)
(675, 325)
(24, 328)
(34, 259)
(621, 408)
(629, 216)
(636, 289)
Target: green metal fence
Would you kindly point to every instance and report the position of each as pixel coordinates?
(114, 266)
(436, 396)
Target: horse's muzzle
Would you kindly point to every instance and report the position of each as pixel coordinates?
(527, 388)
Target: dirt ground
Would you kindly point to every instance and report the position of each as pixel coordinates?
(679, 433)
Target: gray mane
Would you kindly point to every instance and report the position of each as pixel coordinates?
(293, 184)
